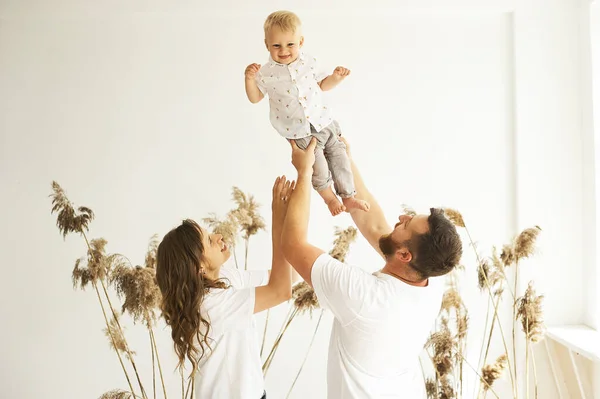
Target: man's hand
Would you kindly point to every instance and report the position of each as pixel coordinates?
(303, 160)
(340, 73)
(251, 71)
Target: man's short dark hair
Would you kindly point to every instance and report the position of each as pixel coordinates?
(438, 251)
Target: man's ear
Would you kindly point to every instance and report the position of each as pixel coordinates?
(403, 255)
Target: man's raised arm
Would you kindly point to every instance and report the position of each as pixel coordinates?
(372, 224)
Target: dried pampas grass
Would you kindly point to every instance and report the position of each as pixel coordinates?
(455, 217)
(523, 246)
(97, 265)
(116, 339)
(431, 388)
(444, 348)
(69, 220)
(525, 242)
(138, 287)
(227, 227)
(341, 244)
(247, 213)
(491, 372)
(529, 310)
(117, 394)
(452, 300)
(304, 297)
(150, 260)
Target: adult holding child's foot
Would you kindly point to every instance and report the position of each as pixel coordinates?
(381, 320)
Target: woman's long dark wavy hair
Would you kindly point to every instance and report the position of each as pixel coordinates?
(179, 263)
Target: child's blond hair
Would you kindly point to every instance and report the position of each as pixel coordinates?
(287, 21)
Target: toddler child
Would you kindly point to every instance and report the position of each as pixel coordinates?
(294, 84)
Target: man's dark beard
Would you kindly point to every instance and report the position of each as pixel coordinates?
(387, 245)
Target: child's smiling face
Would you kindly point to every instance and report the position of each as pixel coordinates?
(284, 47)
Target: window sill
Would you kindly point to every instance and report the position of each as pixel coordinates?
(579, 338)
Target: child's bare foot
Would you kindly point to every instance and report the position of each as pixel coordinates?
(353, 203)
(332, 201)
(335, 206)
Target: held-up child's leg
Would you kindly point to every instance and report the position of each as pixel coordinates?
(341, 169)
(321, 178)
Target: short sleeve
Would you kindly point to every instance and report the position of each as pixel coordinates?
(341, 288)
(320, 72)
(255, 278)
(260, 82)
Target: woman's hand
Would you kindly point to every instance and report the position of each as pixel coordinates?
(282, 189)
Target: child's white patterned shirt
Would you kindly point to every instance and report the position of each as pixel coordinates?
(295, 98)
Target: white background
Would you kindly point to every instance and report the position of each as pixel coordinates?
(139, 112)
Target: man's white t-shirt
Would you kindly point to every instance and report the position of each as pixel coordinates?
(381, 325)
(233, 369)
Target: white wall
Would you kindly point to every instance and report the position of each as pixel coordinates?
(139, 112)
(594, 298)
(594, 110)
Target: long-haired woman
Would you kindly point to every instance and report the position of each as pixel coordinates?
(210, 307)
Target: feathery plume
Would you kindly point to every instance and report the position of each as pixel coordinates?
(496, 262)
(455, 217)
(443, 346)
(249, 218)
(446, 389)
(491, 372)
(462, 326)
(431, 388)
(483, 274)
(488, 275)
(522, 246)
(529, 310)
(507, 256)
(140, 290)
(342, 242)
(452, 300)
(525, 242)
(117, 342)
(81, 276)
(68, 220)
(150, 260)
(227, 227)
(97, 262)
(305, 298)
(98, 265)
(117, 394)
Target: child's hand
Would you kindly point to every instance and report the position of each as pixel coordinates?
(251, 71)
(341, 72)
